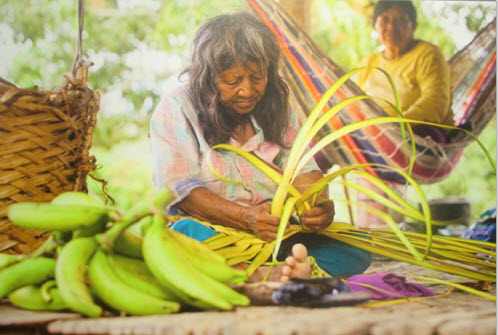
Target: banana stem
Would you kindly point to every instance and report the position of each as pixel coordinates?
(47, 247)
(138, 212)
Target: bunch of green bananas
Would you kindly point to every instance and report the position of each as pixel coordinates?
(94, 265)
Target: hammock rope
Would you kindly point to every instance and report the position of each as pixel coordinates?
(309, 72)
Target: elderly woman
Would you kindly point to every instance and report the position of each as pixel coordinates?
(236, 95)
(418, 68)
(421, 76)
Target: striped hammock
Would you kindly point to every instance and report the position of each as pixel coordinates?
(309, 72)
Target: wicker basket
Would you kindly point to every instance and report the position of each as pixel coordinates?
(44, 151)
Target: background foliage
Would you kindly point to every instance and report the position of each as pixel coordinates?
(138, 48)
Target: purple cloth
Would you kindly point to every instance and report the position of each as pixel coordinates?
(389, 286)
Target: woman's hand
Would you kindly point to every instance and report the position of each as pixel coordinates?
(319, 217)
(260, 221)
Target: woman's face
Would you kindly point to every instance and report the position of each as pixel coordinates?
(242, 86)
(394, 27)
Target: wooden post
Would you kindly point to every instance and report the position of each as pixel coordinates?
(300, 11)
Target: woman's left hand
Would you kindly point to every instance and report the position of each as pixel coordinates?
(319, 217)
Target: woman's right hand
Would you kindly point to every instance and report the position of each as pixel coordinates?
(261, 222)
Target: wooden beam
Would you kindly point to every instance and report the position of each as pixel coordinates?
(300, 11)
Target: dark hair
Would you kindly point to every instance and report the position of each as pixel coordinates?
(219, 44)
(406, 5)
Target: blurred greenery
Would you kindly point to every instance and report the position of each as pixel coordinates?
(138, 48)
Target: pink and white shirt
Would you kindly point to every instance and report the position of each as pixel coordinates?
(180, 156)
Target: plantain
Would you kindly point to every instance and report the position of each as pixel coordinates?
(144, 224)
(206, 260)
(26, 272)
(30, 297)
(139, 211)
(128, 244)
(46, 288)
(56, 217)
(173, 270)
(118, 295)
(74, 198)
(135, 273)
(199, 249)
(70, 275)
(91, 230)
(8, 259)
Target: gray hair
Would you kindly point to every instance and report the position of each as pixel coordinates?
(219, 44)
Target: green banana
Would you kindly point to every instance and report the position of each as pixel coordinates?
(70, 275)
(45, 289)
(199, 249)
(27, 272)
(206, 260)
(8, 259)
(118, 295)
(135, 214)
(62, 237)
(135, 273)
(144, 224)
(74, 198)
(91, 230)
(29, 297)
(173, 270)
(51, 217)
(128, 244)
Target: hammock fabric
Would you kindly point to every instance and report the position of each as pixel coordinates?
(310, 72)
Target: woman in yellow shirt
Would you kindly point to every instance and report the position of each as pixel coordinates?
(420, 73)
(419, 69)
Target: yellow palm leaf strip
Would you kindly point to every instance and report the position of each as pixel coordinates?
(261, 258)
(403, 300)
(231, 231)
(390, 222)
(440, 250)
(451, 253)
(379, 198)
(301, 143)
(367, 245)
(440, 255)
(246, 255)
(319, 184)
(457, 286)
(308, 137)
(408, 209)
(391, 244)
(270, 172)
(343, 226)
(250, 240)
(471, 260)
(487, 248)
(481, 246)
(232, 250)
(238, 247)
(284, 222)
(387, 251)
(326, 140)
(387, 190)
(214, 238)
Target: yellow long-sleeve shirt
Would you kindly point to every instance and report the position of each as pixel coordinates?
(423, 81)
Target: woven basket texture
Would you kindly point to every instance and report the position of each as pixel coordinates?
(44, 151)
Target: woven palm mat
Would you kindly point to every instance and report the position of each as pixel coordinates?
(46, 137)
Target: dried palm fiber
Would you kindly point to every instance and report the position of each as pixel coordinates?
(46, 137)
